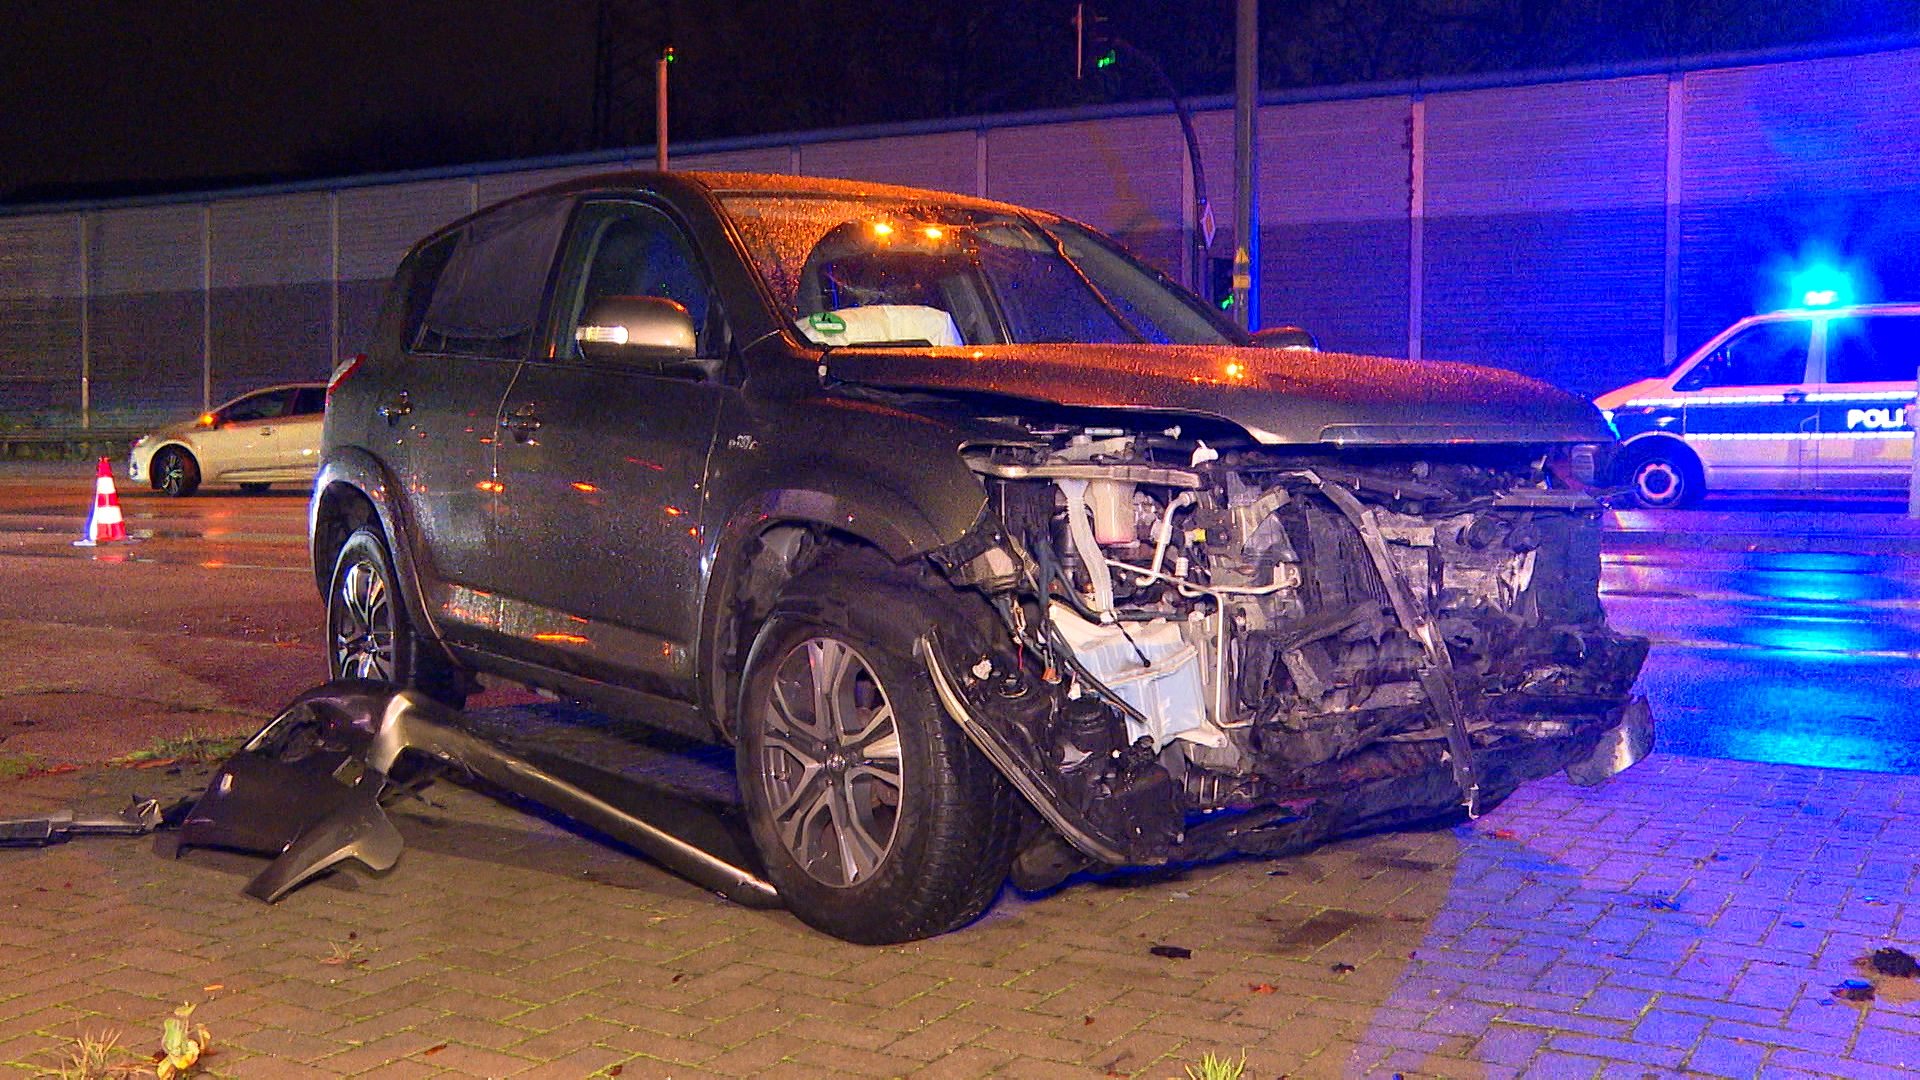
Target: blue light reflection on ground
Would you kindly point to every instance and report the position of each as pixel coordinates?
(1815, 585)
(1806, 708)
(1820, 634)
(1672, 922)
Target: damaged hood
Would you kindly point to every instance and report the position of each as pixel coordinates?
(1279, 396)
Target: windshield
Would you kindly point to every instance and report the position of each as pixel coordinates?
(885, 272)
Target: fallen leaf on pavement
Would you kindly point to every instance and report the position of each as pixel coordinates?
(1172, 952)
(1895, 962)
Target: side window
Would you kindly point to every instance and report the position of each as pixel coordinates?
(418, 279)
(265, 406)
(488, 298)
(626, 249)
(1770, 354)
(1883, 348)
(309, 401)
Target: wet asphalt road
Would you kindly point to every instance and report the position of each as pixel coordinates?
(1773, 656)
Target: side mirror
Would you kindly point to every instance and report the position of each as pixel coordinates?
(650, 330)
(1286, 337)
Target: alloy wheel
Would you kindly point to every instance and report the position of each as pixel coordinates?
(831, 762)
(363, 624)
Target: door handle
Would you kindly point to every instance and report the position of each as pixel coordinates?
(1794, 397)
(521, 422)
(397, 408)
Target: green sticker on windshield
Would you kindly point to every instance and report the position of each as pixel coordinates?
(828, 323)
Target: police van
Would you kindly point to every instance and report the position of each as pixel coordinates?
(1797, 401)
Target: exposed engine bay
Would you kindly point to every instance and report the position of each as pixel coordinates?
(1204, 651)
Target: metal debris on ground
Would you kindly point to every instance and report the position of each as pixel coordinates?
(140, 817)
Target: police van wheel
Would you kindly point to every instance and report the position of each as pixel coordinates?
(1664, 478)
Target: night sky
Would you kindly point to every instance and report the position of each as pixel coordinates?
(107, 90)
(110, 97)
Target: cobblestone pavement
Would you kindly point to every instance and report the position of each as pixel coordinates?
(1690, 918)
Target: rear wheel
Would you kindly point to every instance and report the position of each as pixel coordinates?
(1664, 477)
(175, 472)
(878, 821)
(368, 633)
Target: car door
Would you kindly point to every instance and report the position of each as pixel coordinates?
(240, 444)
(442, 405)
(1747, 412)
(293, 450)
(601, 469)
(1866, 432)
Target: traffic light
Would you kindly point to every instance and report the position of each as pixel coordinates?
(1220, 283)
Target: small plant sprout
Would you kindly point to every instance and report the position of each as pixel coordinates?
(343, 952)
(182, 1043)
(94, 1057)
(1218, 1068)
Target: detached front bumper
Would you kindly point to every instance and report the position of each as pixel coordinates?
(306, 790)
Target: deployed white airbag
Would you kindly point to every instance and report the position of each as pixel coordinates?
(881, 324)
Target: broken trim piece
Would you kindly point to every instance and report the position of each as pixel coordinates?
(1009, 762)
(140, 817)
(1623, 745)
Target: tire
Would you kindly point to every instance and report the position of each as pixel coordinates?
(175, 472)
(368, 633)
(881, 824)
(1664, 477)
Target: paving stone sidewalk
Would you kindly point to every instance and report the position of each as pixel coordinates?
(1689, 919)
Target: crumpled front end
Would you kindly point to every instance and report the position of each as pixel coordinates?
(1251, 652)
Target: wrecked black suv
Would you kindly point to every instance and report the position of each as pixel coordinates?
(989, 550)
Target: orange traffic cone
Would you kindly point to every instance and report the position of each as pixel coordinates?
(104, 523)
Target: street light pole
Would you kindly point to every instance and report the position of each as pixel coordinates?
(660, 106)
(1202, 210)
(1246, 216)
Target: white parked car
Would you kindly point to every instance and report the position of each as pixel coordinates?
(266, 437)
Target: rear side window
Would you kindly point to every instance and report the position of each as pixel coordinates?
(1883, 348)
(418, 278)
(309, 401)
(1770, 354)
(488, 298)
(262, 406)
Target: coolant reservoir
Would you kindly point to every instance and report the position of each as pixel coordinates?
(1111, 502)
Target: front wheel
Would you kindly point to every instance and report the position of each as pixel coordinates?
(1664, 477)
(175, 472)
(368, 633)
(878, 821)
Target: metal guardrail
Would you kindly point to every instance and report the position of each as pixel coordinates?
(67, 444)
